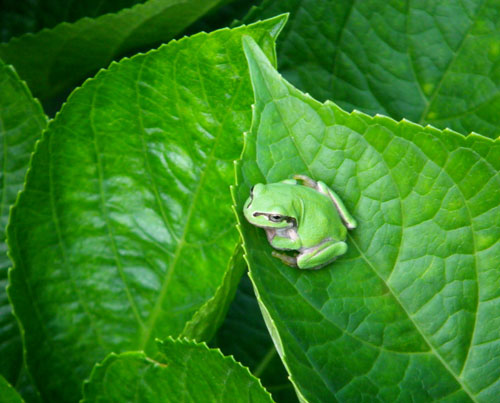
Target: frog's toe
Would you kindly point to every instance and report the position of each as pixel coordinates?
(286, 259)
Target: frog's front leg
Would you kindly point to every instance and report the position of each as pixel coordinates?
(318, 256)
(285, 240)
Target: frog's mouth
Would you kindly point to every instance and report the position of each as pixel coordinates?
(288, 220)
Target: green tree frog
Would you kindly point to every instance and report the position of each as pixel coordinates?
(307, 217)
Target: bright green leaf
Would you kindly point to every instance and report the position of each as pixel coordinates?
(183, 372)
(435, 62)
(210, 316)
(21, 123)
(124, 229)
(412, 311)
(244, 335)
(54, 60)
(7, 393)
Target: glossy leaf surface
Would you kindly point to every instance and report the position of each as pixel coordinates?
(21, 123)
(435, 62)
(54, 60)
(116, 239)
(183, 372)
(412, 311)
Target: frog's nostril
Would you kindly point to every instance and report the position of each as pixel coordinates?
(255, 214)
(251, 190)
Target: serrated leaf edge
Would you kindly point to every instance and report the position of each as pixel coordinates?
(88, 20)
(378, 118)
(111, 357)
(38, 105)
(44, 136)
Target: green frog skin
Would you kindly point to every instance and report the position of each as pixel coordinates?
(306, 217)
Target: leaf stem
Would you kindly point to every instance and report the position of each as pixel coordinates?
(265, 362)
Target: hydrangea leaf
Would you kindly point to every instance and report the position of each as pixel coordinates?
(244, 335)
(412, 311)
(183, 371)
(55, 60)
(431, 62)
(20, 17)
(113, 239)
(22, 121)
(7, 393)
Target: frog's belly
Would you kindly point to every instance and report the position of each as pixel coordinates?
(290, 233)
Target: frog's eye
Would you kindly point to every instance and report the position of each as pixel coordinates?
(276, 218)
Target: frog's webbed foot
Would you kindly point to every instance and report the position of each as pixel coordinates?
(286, 259)
(306, 181)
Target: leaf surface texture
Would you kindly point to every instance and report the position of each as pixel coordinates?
(21, 123)
(431, 62)
(412, 311)
(115, 239)
(183, 371)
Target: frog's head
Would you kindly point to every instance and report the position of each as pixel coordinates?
(266, 208)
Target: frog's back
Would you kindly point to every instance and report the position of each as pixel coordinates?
(317, 216)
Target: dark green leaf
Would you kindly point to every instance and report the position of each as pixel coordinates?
(412, 311)
(244, 335)
(222, 16)
(53, 60)
(435, 62)
(20, 17)
(7, 393)
(183, 372)
(124, 229)
(21, 123)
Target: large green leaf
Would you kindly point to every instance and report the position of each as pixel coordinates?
(53, 60)
(21, 123)
(7, 393)
(412, 311)
(434, 62)
(124, 228)
(183, 372)
(244, 335)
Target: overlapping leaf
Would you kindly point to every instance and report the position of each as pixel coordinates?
(183, 371)
(21, 123)
(7, 393)
(412, 311)
(54, 60)
(125, 229)
(20, 17)
(434, 62)
(244, 335)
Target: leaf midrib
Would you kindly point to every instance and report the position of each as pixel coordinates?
(181, 243)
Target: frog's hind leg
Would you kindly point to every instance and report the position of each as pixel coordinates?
(316, 258)
(306, 181)
(348, 219)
